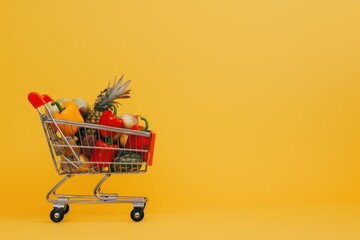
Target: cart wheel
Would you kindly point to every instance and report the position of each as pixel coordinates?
(66, 209)
(137, 214)
(57, 214)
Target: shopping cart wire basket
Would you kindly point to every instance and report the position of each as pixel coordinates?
(94, 149)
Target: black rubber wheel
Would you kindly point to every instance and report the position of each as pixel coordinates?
(57, 214)
(66, 209)
(137, 214)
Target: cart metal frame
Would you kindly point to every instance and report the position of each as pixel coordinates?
(133, 159)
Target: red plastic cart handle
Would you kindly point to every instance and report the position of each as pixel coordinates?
(38, 100)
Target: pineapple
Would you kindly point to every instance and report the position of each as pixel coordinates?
(107, 98)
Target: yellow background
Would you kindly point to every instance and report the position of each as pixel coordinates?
(255, 105)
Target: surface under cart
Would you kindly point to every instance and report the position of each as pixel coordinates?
(131, 152)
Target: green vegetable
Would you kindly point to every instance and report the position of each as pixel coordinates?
(127, 162)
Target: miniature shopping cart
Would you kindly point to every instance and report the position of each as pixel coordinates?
(130, 151)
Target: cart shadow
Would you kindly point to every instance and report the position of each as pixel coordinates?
(78, 219)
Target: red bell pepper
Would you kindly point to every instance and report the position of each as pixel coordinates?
(103, 156)
(138, 142)
(109, 118)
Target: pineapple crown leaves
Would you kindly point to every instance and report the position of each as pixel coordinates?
(118, 90)
(108, 96)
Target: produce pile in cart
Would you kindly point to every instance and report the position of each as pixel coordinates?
(115, 149)
(94, 140)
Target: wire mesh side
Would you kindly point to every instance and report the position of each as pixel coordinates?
(100, 149)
